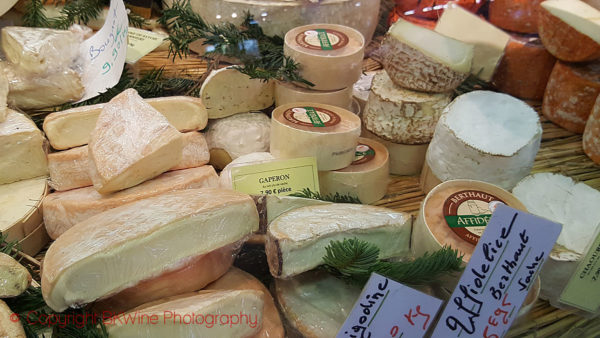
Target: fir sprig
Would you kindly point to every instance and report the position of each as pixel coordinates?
(8, 247)
(336, 198)
(34, 15)
(354, 260)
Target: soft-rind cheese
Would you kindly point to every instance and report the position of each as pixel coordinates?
(8, 326)
(331, 139)
(401, 115)
(591, 135)
(248, 159)
(14, 277)
(288, 93)
(297, 239)
(96, 257)
(20, 211)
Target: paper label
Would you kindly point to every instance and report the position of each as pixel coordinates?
(387, 308)
(104, 53)
(363, 154)
(503, 268)
(140, 42)
(322, 39)
(277, 177)
(312, 117)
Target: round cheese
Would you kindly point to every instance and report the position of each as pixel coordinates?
(304, 129)
(515, 15)
(20, 207)
(286, 92)
(330, 56)
(405, 159)
(252, 158)
(402, 115)
(591, 135)
(366, 178)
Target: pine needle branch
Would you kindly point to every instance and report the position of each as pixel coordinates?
(9, 247)
(77, 12)
(472, 83)
(34, 15)
(336, 198)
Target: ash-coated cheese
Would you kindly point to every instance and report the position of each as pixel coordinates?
(402, 115)
(286, 92)
(591, 135)
(20, 211)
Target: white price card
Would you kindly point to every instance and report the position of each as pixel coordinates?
(387, 308)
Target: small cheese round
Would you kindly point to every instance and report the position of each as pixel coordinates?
(286, 92)
(252, 158)
(330, 56)
(405, 159)
(20, 211)
(591, 135)
(304, 129)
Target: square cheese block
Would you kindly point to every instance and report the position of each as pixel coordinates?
(132, 143)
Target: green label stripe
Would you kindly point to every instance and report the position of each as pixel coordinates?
(466, 221)
(324, 39)
(314, 117)
(365, 153)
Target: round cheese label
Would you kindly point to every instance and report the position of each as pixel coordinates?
(468, 212)
(322, 39)
(363, 154)
(312, 117)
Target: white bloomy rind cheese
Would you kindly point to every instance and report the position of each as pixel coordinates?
(119, 248)
(575, 206)
(402, 115)
(420, 59)
(22, 151)
(304, 129)
(226, 92)
(405, 159)
(248, 159)
(485, 136)
(330, 56)
(20, 211)
(297, 239)
(366, 178)
(289, 93)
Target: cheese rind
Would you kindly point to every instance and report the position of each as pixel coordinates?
(14, 277)
(591, 135)
(288, 93)
(515, 15)
(21, 202)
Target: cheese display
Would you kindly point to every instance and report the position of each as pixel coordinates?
(367, 176)
(22, 149)
(326, 132)
(231, 137)
(8, 326)
(571, 93)
(177, 227)
(401, 115)
(495, 136)
(252, 158)
(591, 135)
(420, 59)
(20, 211)
(132, 142)
(296, 240)
(62, 210)
(14, 277)
(72, 128)
(226, 92)
(515, 15)
(570, 30)
(289, 93)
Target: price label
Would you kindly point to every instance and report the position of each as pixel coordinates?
(140, 42)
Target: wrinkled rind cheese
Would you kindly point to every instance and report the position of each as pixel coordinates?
(14, 277)
(20, 211)
(9, 327)
(288, 93)
(591, 135)
(248, 159)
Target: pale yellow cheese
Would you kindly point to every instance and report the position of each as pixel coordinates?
(583, 17)
(286, 92)
(20, 207)
(14, 277)
(8, 327)
(3, 95)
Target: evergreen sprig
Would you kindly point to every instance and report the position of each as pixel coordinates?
(34, 15)
(8, 247)
(336, 198)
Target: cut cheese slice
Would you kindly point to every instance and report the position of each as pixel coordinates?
(366, 178)
(195, 315)
(401, 115)
(21, 203)
(591, 135)
(297, 239)
(226, 92)
(3, 95)
(289, 93)
(62, 210)
(72, 128)
(95, 258)
(132, 143)
(14, 277)
(571, 93)
(330, 56)
(231, 137)
(22, 149)
(515, 15)
(570, 30)
(489, 41)
(495, 136)
(303, 129)
(248, 159)
(8, 326)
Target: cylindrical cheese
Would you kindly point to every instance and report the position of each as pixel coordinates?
(20, 207)
(591, 135)
(401, 115)
(515, 15)
(289, 93)
(330, 56)
(571, 93)
(366, 178)
(304, 129)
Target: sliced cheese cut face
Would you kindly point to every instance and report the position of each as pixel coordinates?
(278, 205)
(62, 210)
(14, 277)
(297, 239)
(226, 92)
(289, 93)
(579, 15)
(21, 205)
(131, 143)
(252, 158)
(304, 129)
(22, 149)
(8, 327)
(113, 250)
(181, 317)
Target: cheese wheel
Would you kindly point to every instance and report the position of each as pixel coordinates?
(248, 159)
(418, 58)
(570, 30)
(330, 56)
(515, 15)
(495, 137)
(366, 178)
(289, 93)
(402, 115)
(525, 68)
(591, 135)
(571, 93)
(305, 129)
(20, 211)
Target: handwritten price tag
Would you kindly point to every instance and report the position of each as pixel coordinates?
(387, 308)
(503, 268)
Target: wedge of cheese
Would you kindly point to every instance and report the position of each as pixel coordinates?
(62, 210)
(8, 326)
(131, 143)
(14, 277)
(515, 15)
(252, 158)
(420, 59)
(95, 259)
(20, 211)
(272, 206)
(72, 128)
(22, 149)
(297, 239)
(591, 135)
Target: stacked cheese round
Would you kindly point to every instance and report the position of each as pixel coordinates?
(405, 159)
(366, 178)
(289, 93)
(304, 129)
